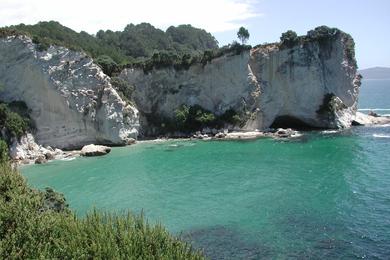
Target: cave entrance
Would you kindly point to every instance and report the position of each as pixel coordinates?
(291, 122)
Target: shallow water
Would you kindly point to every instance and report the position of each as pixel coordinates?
(324, 195)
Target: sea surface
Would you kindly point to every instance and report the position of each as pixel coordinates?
(325, 195)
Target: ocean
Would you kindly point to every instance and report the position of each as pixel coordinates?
(322, 196)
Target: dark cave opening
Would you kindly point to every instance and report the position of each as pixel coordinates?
(291, 122)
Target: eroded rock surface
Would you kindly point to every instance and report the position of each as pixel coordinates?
(312, 84)
(72, 101)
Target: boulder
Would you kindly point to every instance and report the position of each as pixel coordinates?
(95, 150)
(220, 135)
(41, 159)
(285, 133)
(49, 156)
(130, 141)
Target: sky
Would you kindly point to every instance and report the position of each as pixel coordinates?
(366, 20)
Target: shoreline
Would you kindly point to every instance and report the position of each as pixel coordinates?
(46, 154)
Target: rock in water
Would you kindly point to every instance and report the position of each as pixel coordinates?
(95, 150)
(72, 101)
(41, 159)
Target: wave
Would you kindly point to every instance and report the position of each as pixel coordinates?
(330, 131)
(374, 109)
(380, 136)
(384, 125)
(68, 159)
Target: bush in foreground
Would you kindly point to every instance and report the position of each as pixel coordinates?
(39, 225)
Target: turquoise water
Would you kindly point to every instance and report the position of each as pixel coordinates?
(375, 95)
(323, 196)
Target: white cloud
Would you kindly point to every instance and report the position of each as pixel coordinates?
(90, 16)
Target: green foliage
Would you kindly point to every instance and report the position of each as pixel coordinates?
(289, 38)
(189, 118)
(189, 38)
(181, 114)
(39, 225)
(322, 33)
(124, 88)
(142, 45)
(194, 118)
(231, 116)
(243, 35)
(143, 40)
(15, 123)
(45, 34)
(108, 65)
(3, 151)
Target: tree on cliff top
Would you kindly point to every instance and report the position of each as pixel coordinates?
(289, 38)
(243, 35)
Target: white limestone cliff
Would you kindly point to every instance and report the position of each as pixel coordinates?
(72, 101)
(311, 84)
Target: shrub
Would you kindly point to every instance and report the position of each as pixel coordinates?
(108, 65)
(182, 114)
(194, 118)
(16, 123)
(3, 151)
(124, 88)
(39, 225)
(289, 38)
(322, 33)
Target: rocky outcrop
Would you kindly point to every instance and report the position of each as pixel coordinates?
(312, 83)
(367, 120)
(95, 150)
(72, 102)
(26, 150)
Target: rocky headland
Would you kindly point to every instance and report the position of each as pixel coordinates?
(306, 82)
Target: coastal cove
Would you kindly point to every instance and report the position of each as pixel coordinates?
(222, 130)
(321, 195)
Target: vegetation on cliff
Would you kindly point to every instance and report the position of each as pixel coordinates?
(15, 120)
(321, 35)
(132, 45)
(142, 46)
(189, 119)
(39, 225)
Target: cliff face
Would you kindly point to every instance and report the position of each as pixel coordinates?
(71, 100)
(310, 84)
(313, 83)
(225, 83)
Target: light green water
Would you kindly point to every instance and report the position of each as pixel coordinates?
(322, 196)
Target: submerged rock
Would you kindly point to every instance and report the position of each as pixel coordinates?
(95, 150)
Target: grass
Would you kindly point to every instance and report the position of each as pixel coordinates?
(39, 225)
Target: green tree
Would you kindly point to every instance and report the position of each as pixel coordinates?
(243, 35)
(289, 38)
(108, 65)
